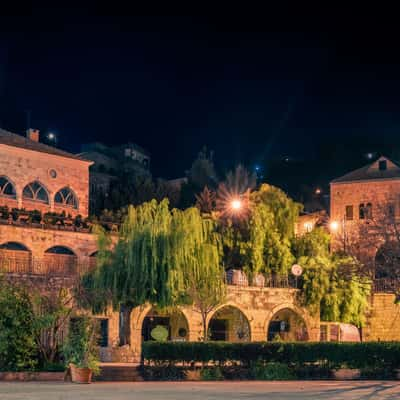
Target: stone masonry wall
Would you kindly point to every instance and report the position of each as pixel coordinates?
(23, 166)
(384, 320)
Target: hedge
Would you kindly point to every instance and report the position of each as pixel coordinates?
(334, 355)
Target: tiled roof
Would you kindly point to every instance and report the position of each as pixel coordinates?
(371, 172)
(12, 139)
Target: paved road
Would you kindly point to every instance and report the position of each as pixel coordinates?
(323, 390)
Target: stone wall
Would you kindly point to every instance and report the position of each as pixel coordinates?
(23, 166)
(38, 240)
(384, 320)
(258, 305)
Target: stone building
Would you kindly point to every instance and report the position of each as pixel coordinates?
(34, 176)
(364, 221)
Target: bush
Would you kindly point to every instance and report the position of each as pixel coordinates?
(378, 355)
(164, 373)
(211, 374)
(273, 371)
(80, 347)
(17, 340)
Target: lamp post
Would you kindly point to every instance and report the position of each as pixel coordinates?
(335, 226)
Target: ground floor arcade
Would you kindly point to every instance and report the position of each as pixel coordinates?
(248, 314)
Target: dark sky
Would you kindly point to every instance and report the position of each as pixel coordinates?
(252, 85)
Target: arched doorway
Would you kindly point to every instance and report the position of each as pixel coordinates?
(287, 325)
(161, 325)
(229, 324)
(15, 257)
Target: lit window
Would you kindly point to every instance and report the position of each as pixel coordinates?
(36, 192)
(7, 189)
(66, 197)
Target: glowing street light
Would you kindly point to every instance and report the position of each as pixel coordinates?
(236, 204)
(51, 136)
(334, 226)
(318, 191)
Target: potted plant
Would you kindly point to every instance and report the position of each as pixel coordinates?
(80, 350)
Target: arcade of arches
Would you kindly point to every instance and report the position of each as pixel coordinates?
(249, 314)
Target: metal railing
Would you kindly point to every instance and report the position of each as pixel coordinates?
(386, 285)
(50, 265)
(239, 278)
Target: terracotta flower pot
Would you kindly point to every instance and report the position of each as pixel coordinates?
(80, 375)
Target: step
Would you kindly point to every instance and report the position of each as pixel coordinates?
(121, 373)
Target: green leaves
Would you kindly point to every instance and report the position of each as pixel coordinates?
(158, 256)
(17, 340)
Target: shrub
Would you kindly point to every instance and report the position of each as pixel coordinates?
(211, 374)
(80, 347)
(17, 341)
(327, 354)
(273, 371)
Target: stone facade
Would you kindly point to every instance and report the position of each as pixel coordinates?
(37, 241)
(258, 306)
(384, 320)
(23, 166)
(359, 199)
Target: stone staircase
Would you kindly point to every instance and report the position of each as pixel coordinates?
(119, 372)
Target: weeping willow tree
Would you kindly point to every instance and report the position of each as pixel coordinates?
(162, 257)
(271, 230)
(332, 284)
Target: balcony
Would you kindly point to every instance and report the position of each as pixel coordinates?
(57, 265)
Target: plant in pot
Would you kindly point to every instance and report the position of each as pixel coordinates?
(81, 351)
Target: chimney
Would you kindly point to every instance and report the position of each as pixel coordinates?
(33, 134)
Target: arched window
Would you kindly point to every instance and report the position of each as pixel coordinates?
(7, 189)
(35, 191)
(60, 250)
(66, 197)
(15, 246)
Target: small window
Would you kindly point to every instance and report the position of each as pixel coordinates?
(36, 192)
(349, 213)
(382, 165)
(361, 211)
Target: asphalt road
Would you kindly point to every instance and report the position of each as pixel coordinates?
(365, 390)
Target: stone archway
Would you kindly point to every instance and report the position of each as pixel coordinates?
(173, 323)
(229, 323)
(287, 323)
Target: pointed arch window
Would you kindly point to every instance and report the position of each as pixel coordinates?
(66, 197)
(7, 188)
(35, 191)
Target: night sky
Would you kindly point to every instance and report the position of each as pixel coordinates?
(253, 86)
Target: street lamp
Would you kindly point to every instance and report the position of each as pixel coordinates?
(334, 226)
(236, 204)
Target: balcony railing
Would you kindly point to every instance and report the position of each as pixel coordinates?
(50, 265)
(239, 278)
(386, 285)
